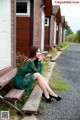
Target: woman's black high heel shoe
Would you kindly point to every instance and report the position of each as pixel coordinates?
(58, 98)
(48, 100)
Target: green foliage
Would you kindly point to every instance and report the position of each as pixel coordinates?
(53, 51)
(63, 44)
(45, 66)
(19, 59)
(68, 31)
(71, 38)
(78, 36)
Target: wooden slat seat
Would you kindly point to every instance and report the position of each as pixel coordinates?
(14, 94)
(32, 103)
(53, 59)
(44, 52)
(5, 79)
(58, 48)
(49, 56)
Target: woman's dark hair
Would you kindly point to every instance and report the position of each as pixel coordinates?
(33, 51)
(33, 54)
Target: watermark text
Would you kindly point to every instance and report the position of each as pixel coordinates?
(67, 2)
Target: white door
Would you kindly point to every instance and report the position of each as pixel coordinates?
(42, 31)
(5, 34)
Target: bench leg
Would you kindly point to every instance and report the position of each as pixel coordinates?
(15, 103)
(1, 97)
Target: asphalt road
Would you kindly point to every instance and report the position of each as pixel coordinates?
(68, 67)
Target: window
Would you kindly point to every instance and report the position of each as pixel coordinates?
(46, 21)
(23, 7)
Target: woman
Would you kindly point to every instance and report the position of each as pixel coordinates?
(30, 71)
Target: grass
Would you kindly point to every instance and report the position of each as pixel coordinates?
(58, 84)
(42, 109)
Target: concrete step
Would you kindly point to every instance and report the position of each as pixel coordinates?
(32, 117)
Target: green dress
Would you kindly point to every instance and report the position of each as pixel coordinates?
(24, 77)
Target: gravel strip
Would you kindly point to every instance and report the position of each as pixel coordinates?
(68, 68)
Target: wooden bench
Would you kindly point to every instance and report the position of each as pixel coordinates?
(32, 103)
(44, 52)
(7, 78)
(49, 56)
(13, 94)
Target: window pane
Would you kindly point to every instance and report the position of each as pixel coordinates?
(21, 7)
(45, 21)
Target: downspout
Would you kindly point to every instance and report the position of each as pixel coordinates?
(14, 33)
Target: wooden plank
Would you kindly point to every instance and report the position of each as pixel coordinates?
(32, 104)
(15, 94)
(44, 52)
(49, 56)
(5, 79)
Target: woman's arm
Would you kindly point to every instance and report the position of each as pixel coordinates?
(39, 66)
(32, 66)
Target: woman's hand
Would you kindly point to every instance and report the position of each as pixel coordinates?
(41, 56)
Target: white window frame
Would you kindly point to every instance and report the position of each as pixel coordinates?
(28, 8)
(46, 18)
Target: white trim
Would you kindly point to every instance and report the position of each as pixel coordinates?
(28, 8)
(42, 30)
(47, 24)
(54, 33)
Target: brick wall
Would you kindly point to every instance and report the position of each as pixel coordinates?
(37, 23)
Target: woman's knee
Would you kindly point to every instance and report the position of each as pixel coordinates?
(36, 75)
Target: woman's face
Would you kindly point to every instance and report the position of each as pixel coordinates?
(38, 53)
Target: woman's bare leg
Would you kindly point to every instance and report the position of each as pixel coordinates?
(44, 85)
(40, 82)
(48, 88)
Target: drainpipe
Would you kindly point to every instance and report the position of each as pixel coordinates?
(14, 33)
